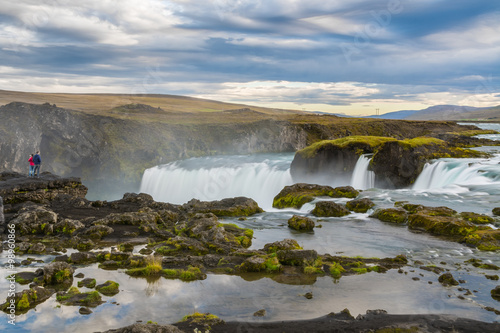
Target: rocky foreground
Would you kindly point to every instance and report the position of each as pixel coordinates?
(50, 215)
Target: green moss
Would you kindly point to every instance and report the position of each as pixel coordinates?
(272, 263)
(108, 288)
(360, 270)
(315, 268)
(372, 141)
(412, 329)
(23, 303)
(61, 276)
(191, 274)
(336, 270)
(420, 141)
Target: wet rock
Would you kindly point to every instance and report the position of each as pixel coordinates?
(84, 311)
(286, 244)
(87, 282)
(496, 211)
(394, 215)
(79, 275)
(447, 280)
(25, 277)
(147, 328)
(27, 299)
(329, 209)
(296, 195)
(360, 205)
(477, 218)
(56, 273)
(492, 277)
(37, 248)
(484, 240)
(108, 288)
(239, 206)
(80, 258)
(254, 264)
(260, 313)
(97, 231)
(74, 297)
(439, 224)
(308, 295)
(301, 223)
(296, 257)
(126, 247)
(495, 293)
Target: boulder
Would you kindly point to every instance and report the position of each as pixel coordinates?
(360, 205)
(286, 244)
(329, 209)
(108, 288)
(447, 279)
(295, 196)
(28, 299)
(55, 273)
(35, 220)
(477, 218)
(301, 223)
(297, 257)
(496, 211)
(440, 225)
(394, 215)
(68, 226)
(87, 282)
(74, 297)
(495, 293)
(239, 206)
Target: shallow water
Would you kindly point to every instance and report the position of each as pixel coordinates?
(236, 298)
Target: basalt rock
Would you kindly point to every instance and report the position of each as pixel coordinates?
(239, 206)
(395, 215)
(54, 274)
(329, 209)
(295, 196)
(360, 205)
(27, 299)
(286, 244)
(74, 297)
(301, 223)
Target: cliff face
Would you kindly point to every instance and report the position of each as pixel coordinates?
(110, 153)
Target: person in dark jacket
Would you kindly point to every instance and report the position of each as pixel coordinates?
(38, 163)
(32, 166)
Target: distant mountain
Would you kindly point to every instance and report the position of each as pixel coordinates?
(445, 112)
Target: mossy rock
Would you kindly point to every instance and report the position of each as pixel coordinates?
(495, 293)
(477, 218)
(108, 288)
(440, 225)
(360, 205)
(409, 207)
(393, 215)
(329, 209)
(286, 244)
(126, 247)
(438, 211)
(74, 297)
(205, 320)
(190, 274)
(447, 279)
(496, 211)
(25, 277)
(242, 235)
(297, 257)
(87, 282)
(301, 223)
(295, 196)
(484, 240)
(27, 299)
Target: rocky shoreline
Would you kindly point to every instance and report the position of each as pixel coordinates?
(51, 215)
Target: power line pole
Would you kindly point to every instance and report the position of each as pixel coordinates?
(377, 112)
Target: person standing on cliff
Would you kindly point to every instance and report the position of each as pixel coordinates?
(32, 166)
(38, 162)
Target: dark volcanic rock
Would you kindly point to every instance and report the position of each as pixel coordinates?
(395, 215)
(360, 205)
(74, 297)
(28, 299)
(301, 223)
(56, 273)
(329, 209)
(296, 195)
(239, 206)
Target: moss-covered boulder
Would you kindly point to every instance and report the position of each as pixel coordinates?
(496, 211)
(329, 209)
(295, 196)
(440, 225)
(108, 288)
(495, 293)
(301, 223)
(484, 240)
(394, 215)
(239, 206)
(286, 244)
(297, 257)
(87, 282)
(192, 273)
(199, 322)
(260, 263)
(35, 220)
(26, 299)
(360, 205)
(477, 218)
(56, 274)
(74, 297)
(447, 279)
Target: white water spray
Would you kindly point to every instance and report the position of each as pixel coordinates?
(361, 177)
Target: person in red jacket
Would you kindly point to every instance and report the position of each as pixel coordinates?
(32, 166)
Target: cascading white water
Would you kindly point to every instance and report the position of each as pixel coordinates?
(457, 175)
(259, 177)
(361, 177)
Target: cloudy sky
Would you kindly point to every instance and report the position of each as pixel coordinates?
(328, 55)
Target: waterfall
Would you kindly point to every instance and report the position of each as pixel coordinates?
(361, 177)
(482, 175)
(259, 177)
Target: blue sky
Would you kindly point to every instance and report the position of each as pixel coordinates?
(339, 56)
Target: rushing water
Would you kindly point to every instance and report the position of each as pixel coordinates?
(464, 185)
